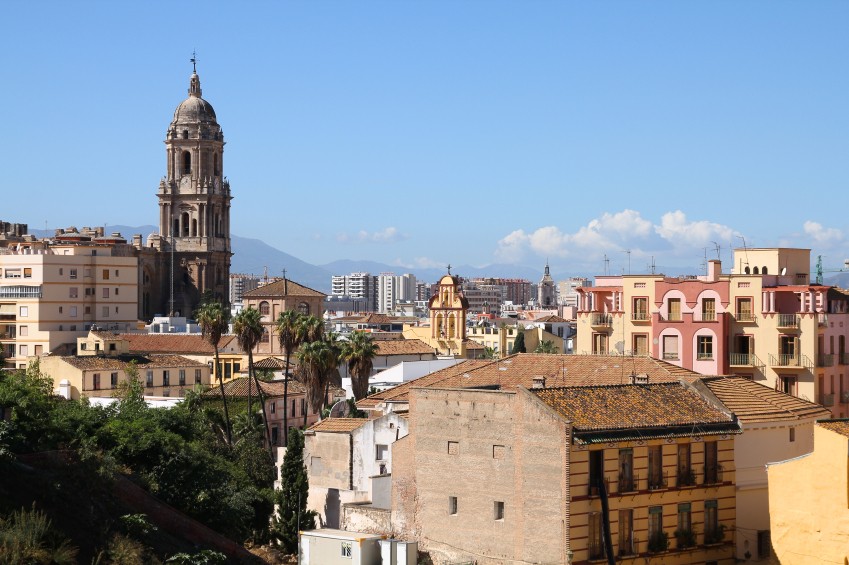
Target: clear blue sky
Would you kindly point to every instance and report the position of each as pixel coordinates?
(419, 133)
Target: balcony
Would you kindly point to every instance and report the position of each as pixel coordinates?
(706, 317)
(686, 478)
(598, 320)
(745, 317)
(671, 317)
(712, 474)
(744, 360)
(827, 399)
(658, 481)
(640, 317)
(825, 360)
(843, 358)
(627, 483)
(790, 361)
(822, 320)
(788, 322)
(844, 396)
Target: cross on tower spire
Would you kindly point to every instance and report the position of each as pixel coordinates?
(194, 61)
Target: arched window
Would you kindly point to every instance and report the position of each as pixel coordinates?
(187, 163)
(263, 308)
(763, 270)
(215, 165)
(194, 227)
(452, 327)
(755, 271)
(265, 336)
(185, 222)
(747, 270)
(304, 308)
(185, 134)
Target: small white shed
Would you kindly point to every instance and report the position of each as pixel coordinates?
(338, 547)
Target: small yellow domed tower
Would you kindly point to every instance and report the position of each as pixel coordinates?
(448, 308)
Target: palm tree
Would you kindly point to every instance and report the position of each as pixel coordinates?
(332, 376)
(290, 333)
(248, 329)
(546, 346)
(313, 328)
(313, 361)
(212, 318)
(359, 353)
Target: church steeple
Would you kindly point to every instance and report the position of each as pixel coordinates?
(194, 86)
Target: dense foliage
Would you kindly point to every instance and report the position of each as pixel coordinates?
(292, 514)
(179, 454)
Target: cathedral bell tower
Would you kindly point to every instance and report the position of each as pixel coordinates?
(194, 206)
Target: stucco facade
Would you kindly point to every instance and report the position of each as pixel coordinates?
(809, 500)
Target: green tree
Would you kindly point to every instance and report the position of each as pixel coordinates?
(546, 346)
(213, 318)
(314, 358)
(292, 514)
(248, 329)
(488, 353)
(519, 344)
(359, 353)
(290, 334)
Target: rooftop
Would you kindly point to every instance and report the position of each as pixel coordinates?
(282, 288)
(119, 362)
(753, 402)
(338, 425)
(838, 426)
(188, 344)
(403, 347)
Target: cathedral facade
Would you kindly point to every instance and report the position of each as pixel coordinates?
(190, 256)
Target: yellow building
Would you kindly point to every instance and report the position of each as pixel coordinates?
(50, 297)
(809, 500)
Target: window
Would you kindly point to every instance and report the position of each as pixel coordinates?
(744, 310)
(106, 274)
(263, 308)
(73, 312)
(116, 291)
(626, 470)
(453, 448)
(452, 505)
(674, 310)
(792, 434)
(599, 344)
(116, 273)
(24, 350)
(704, 345)
(626, 532)
(498, 510)
(596, 472)
(713, 534)
(711, 463)
(166, 378)
(265, 337)
(346, 549)
(27, 273)
(655, 525)
(684, 533)
(498, 451)
(87, 312)
(303, 406)
(641, 344)
(181, 376)
(272, 407)
(708, 309)
(641, 309)
(304, 308)
(39, 350)
(95, 381)
(670, 347)
(73, 292)
(381, 452)
(685, 472)
(24, 311)
(105, 311)
(72, 273)
(23, 331)
(595, 543)
(149, 378)
(315, 465)
(292, 411)
(275, 433)
(105, 292)
(787, 384)
(89, 292)
(61, 309)
(113, 380)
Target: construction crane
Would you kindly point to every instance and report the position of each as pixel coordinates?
(820, 270)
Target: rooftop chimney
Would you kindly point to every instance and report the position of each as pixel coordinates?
(539, 382)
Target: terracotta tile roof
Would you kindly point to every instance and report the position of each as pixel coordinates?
(189, 344)
(521, 369)
(606, 413)
(104, 334)
(272, 364)
(754, 402)
(119, 362)
(403, 347)
(373, 318)
(838, 426)
(474, 345)
(282, 288)
(338, 425)
(238, 388)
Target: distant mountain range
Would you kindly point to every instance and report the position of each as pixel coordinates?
(252, 256)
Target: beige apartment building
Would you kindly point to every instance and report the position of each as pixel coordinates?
(764, 321)
(50, 297)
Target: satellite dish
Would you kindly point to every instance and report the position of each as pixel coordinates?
(783, 271)
(340, 409)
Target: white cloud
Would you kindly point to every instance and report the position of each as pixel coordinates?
(821, 234)
(675, 228)
(421, 263)
(613, 232)
(386, 235)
